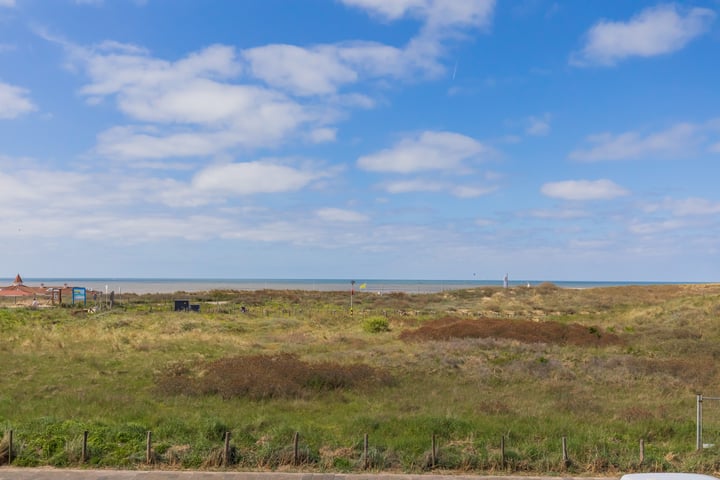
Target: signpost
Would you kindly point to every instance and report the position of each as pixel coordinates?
(352, 294)
(79, 294)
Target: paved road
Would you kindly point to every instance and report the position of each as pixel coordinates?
(7, 473)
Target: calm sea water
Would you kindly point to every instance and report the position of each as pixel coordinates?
(168, 285)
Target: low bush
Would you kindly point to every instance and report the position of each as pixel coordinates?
(376, 324)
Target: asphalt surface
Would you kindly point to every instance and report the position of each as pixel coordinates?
(9, 473)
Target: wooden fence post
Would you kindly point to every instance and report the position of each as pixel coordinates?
(642, 451)
(296, 454)
(84, 453)
(148, 447)
(433, 453)
(226, 453)
(366, 460)
(502, 451)
(566, 459)
(10, 446)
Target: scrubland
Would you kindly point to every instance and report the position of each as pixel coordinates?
(495, 379)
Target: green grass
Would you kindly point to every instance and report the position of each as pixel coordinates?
(66, 371)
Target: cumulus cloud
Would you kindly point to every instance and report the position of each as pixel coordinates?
(300, 70)
(414, 185)
(248, 178)
(327, 69)
(14, 101)
(425, 185)
(583, 190)
(677, 140)
(341, 215)
(427, 151)
(194, 106)
(654, 31)
(440, 19)
(468, 191)
(435, 13)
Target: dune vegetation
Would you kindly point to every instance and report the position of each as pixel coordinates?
(481, 380)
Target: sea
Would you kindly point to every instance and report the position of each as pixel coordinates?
(380, 286)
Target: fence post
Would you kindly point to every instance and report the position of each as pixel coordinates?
(366, 460)
(566, 459)
(502, 451)
(148, 447)
(642, 451)
(433, 453)
(226, 453)
(296, 439)
(84, 453)
(698, 442)
(10, 446)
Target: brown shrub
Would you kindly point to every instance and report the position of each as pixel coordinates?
(521, 330)
(267, 376)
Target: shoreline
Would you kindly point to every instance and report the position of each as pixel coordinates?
(379, 286)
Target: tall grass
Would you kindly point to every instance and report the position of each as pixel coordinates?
(142, 367)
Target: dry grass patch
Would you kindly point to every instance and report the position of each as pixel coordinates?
(520, 330)
(267, 376)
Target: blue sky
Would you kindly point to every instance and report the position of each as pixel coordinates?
(415, 139)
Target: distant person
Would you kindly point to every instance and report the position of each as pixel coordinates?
(505, 281)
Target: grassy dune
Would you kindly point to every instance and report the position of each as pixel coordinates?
(604, 368)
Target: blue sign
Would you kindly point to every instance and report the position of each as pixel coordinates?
(79, 295)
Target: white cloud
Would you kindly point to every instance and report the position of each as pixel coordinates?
(654, 31)
(150, 143)
(677, 140)
(7, 3)
(692, 207)
(341, 215)
(248, 178)
(424, 185)
(466, 191)
(40, 188)
(583, 190)
(428, 151)
(415, 185)
(538, 126)
(300, 70)
(322, 135)
(649, 228)
(440, 19)
(436, 13)
(326, 69)
(190, 107)
(562, 214)
(14, 101)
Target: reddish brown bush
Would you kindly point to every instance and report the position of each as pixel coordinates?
(521, 330)
(265, 376)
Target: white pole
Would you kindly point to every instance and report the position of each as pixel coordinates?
(699, 399)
